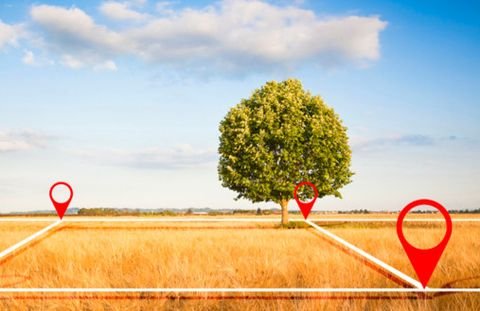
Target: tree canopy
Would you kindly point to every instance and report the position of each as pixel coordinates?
(278, 137)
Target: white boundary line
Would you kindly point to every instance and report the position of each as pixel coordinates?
(394, 219)
(418, 287)
(214, 219)
(367, 256)
(139, 219)
(25, 241)
(240, 290)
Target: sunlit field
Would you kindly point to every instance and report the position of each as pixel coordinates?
(458, 267)
(11, 233)
(228, 254)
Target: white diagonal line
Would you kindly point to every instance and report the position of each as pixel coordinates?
(367, 256)
(25, 241)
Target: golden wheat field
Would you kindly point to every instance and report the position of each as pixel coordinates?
(228, 254)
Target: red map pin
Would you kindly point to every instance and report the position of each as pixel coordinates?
(424, 261)
(61, 207)
(305, 207)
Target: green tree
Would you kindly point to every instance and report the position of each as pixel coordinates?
(280, 136)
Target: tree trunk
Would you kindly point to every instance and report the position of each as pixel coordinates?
(284, 205)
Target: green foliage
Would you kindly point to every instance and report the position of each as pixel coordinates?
(99, 211)
(280, 136)
(465, 211)
(104, 211)
(355, 211)
(294, 225)
(214, 213)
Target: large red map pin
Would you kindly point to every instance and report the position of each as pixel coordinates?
(61, 207)
(424, 261)
(305, 207)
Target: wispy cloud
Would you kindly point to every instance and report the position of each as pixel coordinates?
(11, 141)
(165, 7)
(28, 58)
(121, 11)
(179, 157)
(228, 37)
(381, 143)
(9, 34)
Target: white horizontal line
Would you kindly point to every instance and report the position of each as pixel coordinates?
(394, 219)
(240, 290)
(174, 220)
(112, 219)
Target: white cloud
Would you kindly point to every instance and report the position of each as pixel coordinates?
(73, 62)
(21, 140)
(70, 61)
(76, 37)
(137, 3)
(165, 7)
(28, 58)
(107, 65)
(121, 11)
(179, 157)
(9, 34)
(31, 59)
(184, 156)
(232, 36)
(381, 143)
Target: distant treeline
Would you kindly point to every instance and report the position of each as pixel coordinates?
(105, 211)
(466, 211)
(455, 211)
(355, 211)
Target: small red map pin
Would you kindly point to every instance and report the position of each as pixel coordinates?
(61, 207)
(424, 261)
(305, 207)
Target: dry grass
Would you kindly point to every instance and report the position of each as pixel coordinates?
(460, 260)
(128, 255)
(11, 233)
(224, 255)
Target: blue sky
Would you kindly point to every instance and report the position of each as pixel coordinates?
(123, 98)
